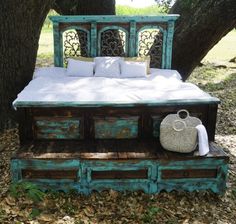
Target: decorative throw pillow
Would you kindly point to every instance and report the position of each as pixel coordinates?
(131, 69)
(140, 59)
(107, 66)
(79, 68)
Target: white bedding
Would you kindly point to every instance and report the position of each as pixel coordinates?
(55, 87)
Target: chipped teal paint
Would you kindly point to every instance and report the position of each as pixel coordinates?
(58, 48)
(59, 129)
(112, 28)
(153, 184)
(132, 39)
(15, 170)
(170, 34)
(119, 128)
(179, 102)
(111, 18)
(93, 49)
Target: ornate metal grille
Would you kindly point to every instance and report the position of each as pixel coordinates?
(113, 43)
(75, 44)
(150, 42)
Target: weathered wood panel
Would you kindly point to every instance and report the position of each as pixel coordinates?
(188, 173)
(116, 127)
(120, 174)
(58, 128)
(49, 174)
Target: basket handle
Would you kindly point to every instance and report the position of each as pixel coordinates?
(179, 129)
(183, 111)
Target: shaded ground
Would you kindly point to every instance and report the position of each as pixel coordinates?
(137, 207)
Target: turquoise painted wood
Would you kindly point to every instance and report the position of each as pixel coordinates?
(132, 39)
(93, 49)
(58, 128)
(128, 24)
(111, 18)
(210, 100)
(152, 182)
(116, 128)
(170, 34)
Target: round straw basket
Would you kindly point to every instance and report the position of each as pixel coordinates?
(179, 134)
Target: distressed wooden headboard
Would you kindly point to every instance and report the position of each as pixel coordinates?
(129, 36)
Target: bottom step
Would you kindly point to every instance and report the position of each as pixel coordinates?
(149, 175)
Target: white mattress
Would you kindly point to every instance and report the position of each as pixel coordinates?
(53, 86)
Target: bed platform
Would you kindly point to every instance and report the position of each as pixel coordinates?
(89, 145)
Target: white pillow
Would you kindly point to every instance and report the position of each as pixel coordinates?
(80, 68)
(133, 69)
(107, 66)
(49, 72)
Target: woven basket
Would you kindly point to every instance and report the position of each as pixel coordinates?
(179, 134)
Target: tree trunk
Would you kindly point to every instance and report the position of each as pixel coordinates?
(21, 23)
(88, 7)
(200, 26)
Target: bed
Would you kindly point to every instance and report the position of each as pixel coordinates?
(94, 133)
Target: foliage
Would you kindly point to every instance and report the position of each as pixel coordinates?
(149, 215)
(165, 4)
(27, 189)
(47, 22)
(150, 10)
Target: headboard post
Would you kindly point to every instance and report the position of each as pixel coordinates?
(93, 46)
(111, 35)
(58, 57)
(132, 39)
(169, 45)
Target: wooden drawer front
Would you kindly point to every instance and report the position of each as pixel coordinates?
(188, 173)
(58, 128)
(119, 174)
(49, 174)
(116, 128)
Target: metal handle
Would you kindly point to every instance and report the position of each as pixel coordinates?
(181, 111)
(179, 129)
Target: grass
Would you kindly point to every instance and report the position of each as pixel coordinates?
(224, 50)
(151, 10)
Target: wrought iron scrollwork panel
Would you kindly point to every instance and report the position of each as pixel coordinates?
(150, 42)
(75, 44)
(113, 43)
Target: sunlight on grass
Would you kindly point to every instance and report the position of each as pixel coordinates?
(224, 50)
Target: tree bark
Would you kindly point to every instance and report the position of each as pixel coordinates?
(88, 7)
(21, 23)
(200, 26)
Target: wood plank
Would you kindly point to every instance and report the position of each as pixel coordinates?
(188, 173)
(120, 174)
(109, 149)
(49, 174)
